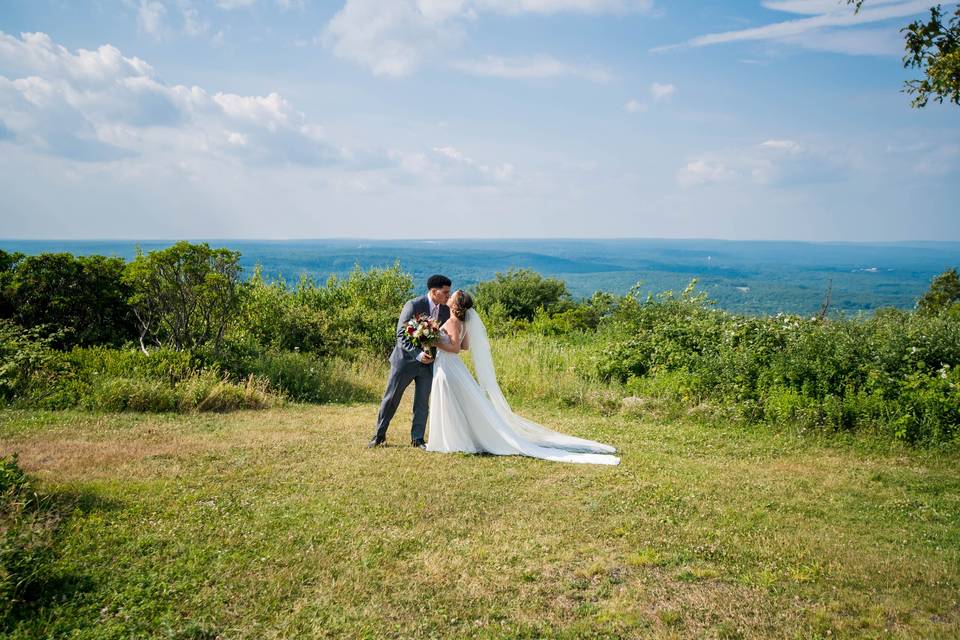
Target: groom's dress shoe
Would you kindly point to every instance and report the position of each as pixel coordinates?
(420, 444)
(376, 442)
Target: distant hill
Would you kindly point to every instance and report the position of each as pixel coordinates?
(742, 276)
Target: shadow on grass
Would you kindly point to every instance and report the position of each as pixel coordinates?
(31, 552)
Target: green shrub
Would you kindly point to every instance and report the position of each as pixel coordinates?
(362, 309)
(82, 298)
(29, 366)
(893, 372)
(355, 314)
(521, 292)
(203, 391)
(309, 378)
(273, 316)
(130, 394)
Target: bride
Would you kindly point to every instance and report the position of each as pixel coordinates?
(471, 415)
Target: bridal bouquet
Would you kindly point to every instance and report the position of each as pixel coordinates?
(422, 331)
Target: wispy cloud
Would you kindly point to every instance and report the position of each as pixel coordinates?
(831, 25)
(394, 38)
(774, 163)
(234, 4)
(530, 68)
(662, 92)
(151, 18)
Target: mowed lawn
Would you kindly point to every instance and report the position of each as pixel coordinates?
(280, 524)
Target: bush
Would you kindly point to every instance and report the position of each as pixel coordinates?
(104, 379)
(521, 292)
(272, 316)
(894, 372)
(362, 309)
(29, 366)
(355, 314)
(82, 298)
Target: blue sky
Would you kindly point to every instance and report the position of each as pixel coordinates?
(774, 119)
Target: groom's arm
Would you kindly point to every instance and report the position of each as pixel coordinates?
(402, 341)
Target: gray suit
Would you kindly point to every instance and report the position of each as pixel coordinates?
(404, 369)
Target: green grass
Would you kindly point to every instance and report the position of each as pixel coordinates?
(279, 524)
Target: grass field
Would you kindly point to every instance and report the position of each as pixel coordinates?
(280, 524)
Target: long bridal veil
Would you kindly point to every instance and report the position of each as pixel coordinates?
(487, 378)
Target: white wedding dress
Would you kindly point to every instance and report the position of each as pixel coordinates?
(472, 416)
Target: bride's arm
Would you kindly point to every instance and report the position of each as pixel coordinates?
(454, 329)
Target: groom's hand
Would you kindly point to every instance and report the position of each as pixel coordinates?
(425, 357)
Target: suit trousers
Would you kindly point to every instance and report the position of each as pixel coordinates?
(401, 375)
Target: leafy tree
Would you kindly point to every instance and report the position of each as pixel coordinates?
(933, 47)
(8, 264)
(184, 295)
(521, 292)
(943, 292)
(85, 296)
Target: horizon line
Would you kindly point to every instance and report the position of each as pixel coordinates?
(484, 239)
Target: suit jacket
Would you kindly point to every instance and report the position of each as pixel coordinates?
(405, 353)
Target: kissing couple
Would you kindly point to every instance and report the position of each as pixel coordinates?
(467, 414)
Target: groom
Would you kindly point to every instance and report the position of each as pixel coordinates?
(408, 363)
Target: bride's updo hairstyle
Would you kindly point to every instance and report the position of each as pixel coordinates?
(464, 302)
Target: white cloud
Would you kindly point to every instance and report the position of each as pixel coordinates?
(633, 106)
(150, 18)
(558, 6)
(529, 68)
(699, 172)
(936, 158)
(449, 152)
(448, 164)
(774, 163)
(782, 145)
(662, 91)
(94, 107)
(830, 25)
(101, 105)
(390, 38)
(284, 5)
(234, 4)
(394, 38)
(193, 25)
